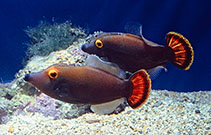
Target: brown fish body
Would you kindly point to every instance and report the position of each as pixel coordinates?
(76, 85)
(133, 52)
(140, 55)
(90, 85)
(83, 88)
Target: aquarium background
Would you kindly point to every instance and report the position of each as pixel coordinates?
(188, 17)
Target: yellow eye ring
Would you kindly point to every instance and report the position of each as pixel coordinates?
(99, 43)
(53, 74)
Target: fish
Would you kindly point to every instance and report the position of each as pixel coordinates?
(90, 84)
(134, 52)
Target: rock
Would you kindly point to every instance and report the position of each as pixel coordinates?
(197, 111)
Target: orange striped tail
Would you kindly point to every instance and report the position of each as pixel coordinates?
(183, 50)
(141, 89)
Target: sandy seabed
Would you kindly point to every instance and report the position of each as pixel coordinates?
(165, 112)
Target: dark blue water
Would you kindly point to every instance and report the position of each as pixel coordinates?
(189, 17)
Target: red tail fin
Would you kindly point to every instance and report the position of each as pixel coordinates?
(141, 88)
(183, 50)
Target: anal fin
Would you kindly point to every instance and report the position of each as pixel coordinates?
(154, 72)
(108, 107)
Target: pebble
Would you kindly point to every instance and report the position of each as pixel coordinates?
(197, 111)
(172, 117)
(11, 129)
(92, 121)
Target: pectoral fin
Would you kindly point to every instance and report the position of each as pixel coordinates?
(112, 68)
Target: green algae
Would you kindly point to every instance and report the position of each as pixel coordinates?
(46, 38)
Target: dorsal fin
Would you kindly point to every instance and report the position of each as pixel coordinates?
(112, 68)
(136, 29)
(145, 40)
(148, 42)
(134, 36)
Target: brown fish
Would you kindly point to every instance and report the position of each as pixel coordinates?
(132, 52)
(90, 85)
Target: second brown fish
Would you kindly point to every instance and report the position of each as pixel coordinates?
(133, 52)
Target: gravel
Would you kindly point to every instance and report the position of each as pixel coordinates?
(165, 112)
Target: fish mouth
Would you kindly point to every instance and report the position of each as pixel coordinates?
(88, 49)
(84, 48)
(36, 78)
(27, 77)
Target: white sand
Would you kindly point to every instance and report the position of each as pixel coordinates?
(164, 113)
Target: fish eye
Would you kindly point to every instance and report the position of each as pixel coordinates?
(53, 74)
(99, 43)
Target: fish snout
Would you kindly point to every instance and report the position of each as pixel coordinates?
(91, 49)
(35, 77)
(88, 48)
(27, 77)
(84, 48)
(38, 79)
